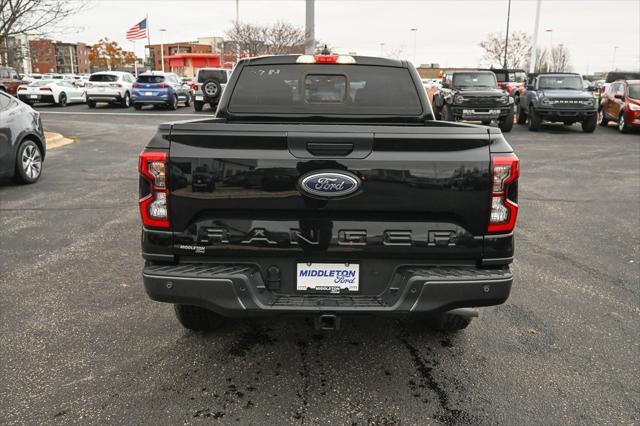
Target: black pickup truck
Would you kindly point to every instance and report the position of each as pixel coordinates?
(337, 193)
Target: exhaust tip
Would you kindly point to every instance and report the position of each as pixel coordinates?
(465, 312)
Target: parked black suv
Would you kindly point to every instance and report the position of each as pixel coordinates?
(559, 97)
(474, 95)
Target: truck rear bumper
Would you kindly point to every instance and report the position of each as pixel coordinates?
(238, 290)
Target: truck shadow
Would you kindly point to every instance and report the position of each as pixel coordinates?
(252, 363)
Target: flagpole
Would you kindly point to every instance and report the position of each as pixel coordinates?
(135, 59)
(149, 42)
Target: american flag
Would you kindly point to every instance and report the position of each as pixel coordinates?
(138, 31)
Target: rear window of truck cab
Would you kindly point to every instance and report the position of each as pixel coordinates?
(325, 89)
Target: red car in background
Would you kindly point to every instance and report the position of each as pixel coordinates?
(512, 81)
(621, 103)
(9, 80)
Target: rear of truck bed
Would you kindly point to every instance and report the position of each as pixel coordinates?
(328, 219)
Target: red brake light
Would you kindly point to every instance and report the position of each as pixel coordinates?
(325, 59)
(136, 84)
(46, 89)
(163, 85)
(154, 211)
(505, 171)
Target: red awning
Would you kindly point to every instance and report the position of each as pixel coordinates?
(198, 62)
(178, 62)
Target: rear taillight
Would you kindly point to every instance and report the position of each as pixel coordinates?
(22, 88)
(154, 212)
(195, 87)
(163, 85)
(46, 89)
(135, 85)
(505, 170)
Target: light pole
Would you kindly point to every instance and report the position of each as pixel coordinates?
(309, 27)
(534, 50)
(381, 49)
(415, 43)
(237, 30)
(613, 61)
(162, 30)
(506, 39)
(550, 31)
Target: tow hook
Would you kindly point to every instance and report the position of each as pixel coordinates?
(327, 322)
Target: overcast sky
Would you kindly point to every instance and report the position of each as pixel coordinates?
(448, 30)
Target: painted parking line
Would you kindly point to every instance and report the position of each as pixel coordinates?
(135, 114)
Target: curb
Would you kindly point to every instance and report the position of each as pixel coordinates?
(56, 140)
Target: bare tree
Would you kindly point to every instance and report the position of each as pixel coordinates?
(542, 61)
(559, 59)
(517, 54)
(283, 38)
(277, 39)
(21, 17)
(250, 38)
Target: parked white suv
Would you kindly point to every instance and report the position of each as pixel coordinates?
(208, 85)
(112, 87)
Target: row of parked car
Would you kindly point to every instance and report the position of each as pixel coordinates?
(505, 95)
(120, 88)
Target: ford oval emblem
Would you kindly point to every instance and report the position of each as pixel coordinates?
(329, 184)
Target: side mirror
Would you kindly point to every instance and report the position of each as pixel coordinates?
(619, 96)
(445, 86)
(591, 88)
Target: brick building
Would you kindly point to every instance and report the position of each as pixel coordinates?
(43, 56)
(49, 56)
(171, 49)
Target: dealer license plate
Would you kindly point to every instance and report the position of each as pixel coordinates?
(328, 277)
(148, 93)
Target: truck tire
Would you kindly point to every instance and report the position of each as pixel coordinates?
(590, 123)
(448, 323)
(535, 121)
(197, 105)
(447, 114)
(507, 124)
(522, 116)
(196, 318)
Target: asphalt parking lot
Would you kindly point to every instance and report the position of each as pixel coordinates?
(81, 342)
